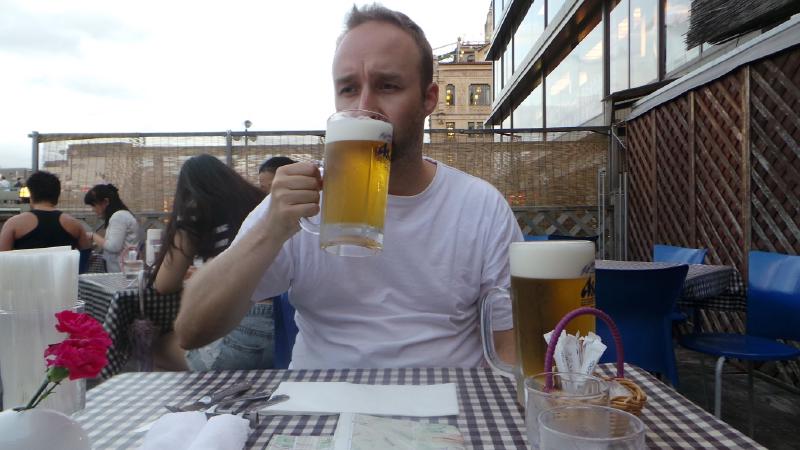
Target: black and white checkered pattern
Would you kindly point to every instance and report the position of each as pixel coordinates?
(706, 286)
(114, 302)
(490, 417)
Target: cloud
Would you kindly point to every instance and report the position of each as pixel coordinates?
(60, 33)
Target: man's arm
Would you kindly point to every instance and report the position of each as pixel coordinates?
(217, 297)
(504, 344)
(7, 235)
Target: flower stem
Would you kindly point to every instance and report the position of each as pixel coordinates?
(49, 391)
(34, 402)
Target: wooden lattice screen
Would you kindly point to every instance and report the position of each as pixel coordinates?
(719, 167)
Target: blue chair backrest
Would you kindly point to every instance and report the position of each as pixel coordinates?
(536, 237)
(773, 296)
(285, 330)
(83, 261)
(681, 255)
(640, 302)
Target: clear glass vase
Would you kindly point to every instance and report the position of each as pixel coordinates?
(41, 428)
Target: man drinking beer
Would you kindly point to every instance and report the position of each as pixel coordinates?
(413, 304)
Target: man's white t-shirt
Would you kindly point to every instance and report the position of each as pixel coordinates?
(416, 304)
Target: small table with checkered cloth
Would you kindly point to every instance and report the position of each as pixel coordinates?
(489, 415)
(706, 286)
(114, 302)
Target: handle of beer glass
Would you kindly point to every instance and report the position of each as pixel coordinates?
(487, 336)
(551, 346)
(305, 223)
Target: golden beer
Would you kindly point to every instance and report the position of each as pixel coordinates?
(538, 305)
(358, 152)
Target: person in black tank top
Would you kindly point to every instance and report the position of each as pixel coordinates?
(48, 232)
(44, 226)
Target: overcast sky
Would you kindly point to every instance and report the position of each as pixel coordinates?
(174, 65)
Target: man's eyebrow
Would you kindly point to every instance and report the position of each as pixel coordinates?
(344, 79)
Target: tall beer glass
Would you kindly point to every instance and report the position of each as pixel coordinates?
(548, 280)
(358, 150)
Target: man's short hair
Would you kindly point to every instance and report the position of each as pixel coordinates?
(44, 187)
(272, 164)
(380, 13)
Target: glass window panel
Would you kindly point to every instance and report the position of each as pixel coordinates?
(529, 113)
(479, 95)
(618, 47)
(497, 12)
(575, 87)
(676, 19)
(497, 67)
(508, 67)
(529, 31)
(450, 95)
(644, 42)
(553, 7)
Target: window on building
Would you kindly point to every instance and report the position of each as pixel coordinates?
(553, 7)
(644, 41)
(618, 47)
(528, 31)
(497, 71)
(676, 20)
(508, 64)
(450, 95)
(530, 113)
(574, 90)
(451, 126)
(470, 125)
(479, 95)
(471, 57)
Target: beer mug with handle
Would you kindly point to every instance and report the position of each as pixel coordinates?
(548, 280)
(358, 151)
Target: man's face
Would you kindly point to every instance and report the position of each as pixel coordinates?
(265, 180)
(377, 67)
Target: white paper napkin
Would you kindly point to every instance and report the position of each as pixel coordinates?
(174, 431)
(319, 398)
(224, 432)
(191, 431)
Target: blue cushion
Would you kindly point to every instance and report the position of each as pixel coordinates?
(739, 346)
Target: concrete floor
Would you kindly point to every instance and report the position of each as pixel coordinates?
(776, 412)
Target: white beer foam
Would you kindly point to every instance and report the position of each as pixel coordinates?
(358, 129)
(551, 259)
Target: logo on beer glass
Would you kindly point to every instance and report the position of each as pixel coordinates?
(358, 150)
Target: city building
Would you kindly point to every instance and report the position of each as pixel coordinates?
(465, 89)
(561, 63)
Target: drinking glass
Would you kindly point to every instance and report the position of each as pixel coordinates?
(568, 389)
(590, 428)
(358, 150)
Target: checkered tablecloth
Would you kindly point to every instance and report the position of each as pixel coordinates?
(706, 285)
(114, 301)
(490, 417)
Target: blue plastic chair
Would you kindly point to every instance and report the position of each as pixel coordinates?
(640, 302)
(773, 312)
(680, 255)
(536, 237)
(285, 330)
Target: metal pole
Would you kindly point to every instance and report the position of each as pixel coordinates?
(228, 148)
(601, 211)
(34, 150)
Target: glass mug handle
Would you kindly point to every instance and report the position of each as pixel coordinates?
(305, 223)
(487, 336)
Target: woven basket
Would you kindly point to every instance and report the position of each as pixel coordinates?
(632, 403)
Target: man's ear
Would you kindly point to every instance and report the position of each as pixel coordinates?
(431, 98)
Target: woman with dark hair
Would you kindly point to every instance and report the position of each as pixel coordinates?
(44, 226)
(211, 202)
(122, 229)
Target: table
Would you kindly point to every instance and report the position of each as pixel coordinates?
(706, 286)
(114, 302)
(489, 419)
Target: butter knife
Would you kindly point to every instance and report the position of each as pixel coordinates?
(212, 399)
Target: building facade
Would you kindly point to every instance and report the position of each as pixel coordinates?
(465, 89)
(558, 63)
